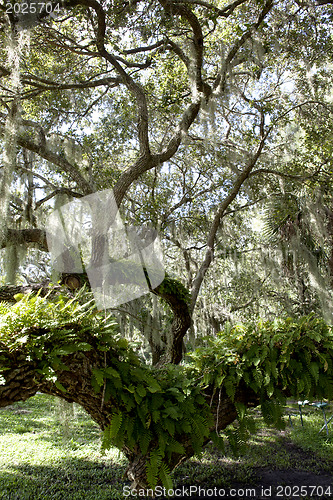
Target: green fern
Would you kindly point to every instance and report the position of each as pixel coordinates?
(165, 477)
(153, 467)
(145, 439)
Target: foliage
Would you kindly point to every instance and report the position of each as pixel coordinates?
(276, 359)
(160, 412)
(44, 330)
(176, 288)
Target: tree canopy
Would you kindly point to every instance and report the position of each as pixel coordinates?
(211, 122)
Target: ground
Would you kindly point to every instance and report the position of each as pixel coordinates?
(51, 451)
(288, 468)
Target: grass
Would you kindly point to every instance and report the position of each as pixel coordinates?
(51, 450)
(47, 452)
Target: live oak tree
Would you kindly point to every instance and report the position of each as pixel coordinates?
(192, 112)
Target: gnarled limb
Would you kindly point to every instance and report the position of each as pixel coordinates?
(23, 381)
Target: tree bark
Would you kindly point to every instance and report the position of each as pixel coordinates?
(181, 323)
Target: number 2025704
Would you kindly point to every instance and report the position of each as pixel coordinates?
(31, 8)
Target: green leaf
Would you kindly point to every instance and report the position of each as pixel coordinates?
(70, 348)
(314, 370)
(256, 361)
(115, 424)
(156, 415)
(241, 410)
(111, 373)
(165, 477)
(230, 388)
(60, 386)
(172, 412)
(18, 296)
(145, 438)
(153, 467)
(153, 386)
(169, 425)
(141, 390)
(98, 376)
(175, 447)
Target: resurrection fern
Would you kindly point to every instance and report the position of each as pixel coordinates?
(175, 287)
(274, 359)
(158, 413)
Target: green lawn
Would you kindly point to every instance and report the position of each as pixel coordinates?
(51, 450)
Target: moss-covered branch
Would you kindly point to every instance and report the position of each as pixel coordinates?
(159, 415)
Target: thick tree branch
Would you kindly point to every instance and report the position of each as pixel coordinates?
(148, 161)
(180, 324)
(179, 52)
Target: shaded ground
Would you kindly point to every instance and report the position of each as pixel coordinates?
(47, 453)
(290, 472)
(307, 471)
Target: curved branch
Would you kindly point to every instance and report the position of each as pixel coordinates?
(43, 151)
(147, 48)
(58, 160)
(46, 84)
(55, 192)
(135, 89)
